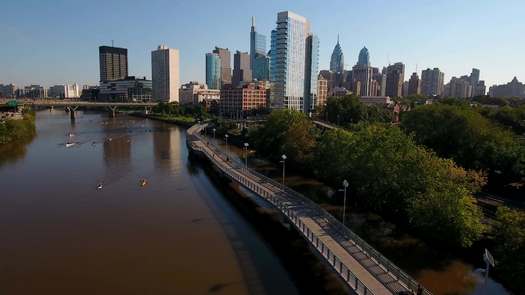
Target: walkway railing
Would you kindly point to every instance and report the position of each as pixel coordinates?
(295, 206)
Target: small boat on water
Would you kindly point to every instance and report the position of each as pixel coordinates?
(99, 186)
(70, 144)
(143, 182)
(70, 134)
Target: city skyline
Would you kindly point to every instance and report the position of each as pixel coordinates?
(74, 57)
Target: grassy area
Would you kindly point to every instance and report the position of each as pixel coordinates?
(17, 130)
(175, 119)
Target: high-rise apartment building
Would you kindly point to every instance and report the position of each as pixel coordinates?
(241, 68)
(311, 72)
(395, 76)
(225, 65)
(288, 61)
(362, 80)
(432, 82)
(337, 60)
(414, 85)
(213, 71)
(512, 89)
(322, 92)
(257, 45)
(261, 67)
(113, 63)
(165, 74)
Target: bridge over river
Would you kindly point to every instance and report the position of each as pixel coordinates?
(360, 266)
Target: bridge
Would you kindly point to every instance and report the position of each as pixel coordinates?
(362, 268)
(72, 105)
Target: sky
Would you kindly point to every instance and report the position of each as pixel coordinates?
(56, 41)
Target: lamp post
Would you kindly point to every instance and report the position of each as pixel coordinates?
(284, 165)
(214, 132)
(246, 145)
(345, 186)
(227, 147)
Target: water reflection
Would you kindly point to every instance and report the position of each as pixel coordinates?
(166, 148)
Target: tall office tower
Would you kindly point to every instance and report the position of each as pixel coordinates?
(322, 91)
(364, 57)
(241, 68)
(213, 71)
(288, 61)
(165, 74)
(310, 73)
(458, 88)
(474, 77)
(226, 66)
(113, 63)
(395, 76)
(261, 67)
(414, 85)
(432, 82)
(257, 44)
(337, 61)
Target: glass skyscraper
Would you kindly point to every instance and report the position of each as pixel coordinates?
(312, 69)
(258, 59)
(364, 58)
(213, 71)
(337, 61)
(288, 61)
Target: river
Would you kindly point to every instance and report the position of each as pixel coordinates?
(178, 234)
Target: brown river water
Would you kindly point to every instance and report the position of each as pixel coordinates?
(175, 235)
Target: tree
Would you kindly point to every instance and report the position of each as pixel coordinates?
(464, 135)
(349, 110)
(510, 247)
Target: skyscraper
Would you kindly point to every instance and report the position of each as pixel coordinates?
(337, 61)
(113, 63)
(261, 67)
(364, 57)
(414, 85)
(225, 68)
(395, 76)
(165, 74)
(311, 72)
(288, 61)
(213, 71)
(241, 68)
(257, 44)
(432, 82)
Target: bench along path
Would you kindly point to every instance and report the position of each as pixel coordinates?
(363, 268)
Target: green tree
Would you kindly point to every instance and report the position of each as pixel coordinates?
(349, 110)
(510, 248)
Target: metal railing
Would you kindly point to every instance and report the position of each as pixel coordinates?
(314, 209)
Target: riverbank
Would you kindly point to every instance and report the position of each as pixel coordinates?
(12, 130)
(183, 121)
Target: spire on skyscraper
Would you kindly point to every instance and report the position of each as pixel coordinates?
(364, 57)
(337, 60)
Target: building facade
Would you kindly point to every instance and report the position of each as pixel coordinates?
(257, 46)
(414, 85)
(337, 60)
(288, 62)
(196, 93)
(395, 77)
(126, 90)
(225, 65)
(311, 73)
(165, 74)
(432, 82)
(512, 89)
(235, 101)
(241, 68)
(113, 63)
(322, 92)
(213, 71)
(8, 90)
(261, 67)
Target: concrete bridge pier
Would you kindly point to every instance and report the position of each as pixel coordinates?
(71, 110)
(147, 110)
(113, 110)
(51, 108)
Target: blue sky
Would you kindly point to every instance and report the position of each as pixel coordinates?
(56, 41)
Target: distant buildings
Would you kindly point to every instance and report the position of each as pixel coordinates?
(213, 70)
(322, 91)
(241, 68)
(225, 65)
(126, 90)
(512, 89)
(337, 60)
(7, 90)
(288, 62)
(258, 59)
(432, 82)
(165, 74)
(32, 91)
(414, 85)
(465, 86)
(64, 91)
(237, 100)
(311, 72)
(362, 79)
(364, 58)
(113, 63)
(196, 93)
(395, 76)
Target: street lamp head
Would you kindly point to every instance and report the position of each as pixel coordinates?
(246, 144)
(283, 157)
(226, 136)
(214, 129)
(345, 183)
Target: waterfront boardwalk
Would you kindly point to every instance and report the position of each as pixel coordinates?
(359, 265)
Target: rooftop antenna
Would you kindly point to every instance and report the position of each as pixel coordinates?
(112, 43)
(338, 38)
(388, 58)
(416, 67)
(253, 21)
